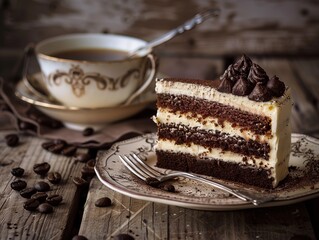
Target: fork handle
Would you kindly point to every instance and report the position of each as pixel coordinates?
(239, 194)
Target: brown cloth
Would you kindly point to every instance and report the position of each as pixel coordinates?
(25, 118)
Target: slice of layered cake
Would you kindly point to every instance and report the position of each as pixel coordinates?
(236, 128)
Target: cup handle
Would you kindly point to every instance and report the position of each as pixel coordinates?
(148, 81)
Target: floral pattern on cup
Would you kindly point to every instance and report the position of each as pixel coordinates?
(78, 79)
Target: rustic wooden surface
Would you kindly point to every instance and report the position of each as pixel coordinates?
(16, 222)
(254, 27)
(148, 220)
(282, 36)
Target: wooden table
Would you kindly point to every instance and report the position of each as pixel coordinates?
(283, 35)
(77, 214)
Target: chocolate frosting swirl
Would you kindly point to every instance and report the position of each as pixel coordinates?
(260, 93)
(243, 65)
(230, 73)
(242, 87)
(247, 78)
(225, 86)
(257, 74)
(276, 86)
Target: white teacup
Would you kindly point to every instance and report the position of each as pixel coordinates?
(93, 70)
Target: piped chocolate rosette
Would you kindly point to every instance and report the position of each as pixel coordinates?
(245, 78)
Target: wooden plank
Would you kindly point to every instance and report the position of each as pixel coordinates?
(16, 222)
(148, 220)
(245, 26)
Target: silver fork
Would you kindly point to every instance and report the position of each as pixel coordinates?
(145, 172)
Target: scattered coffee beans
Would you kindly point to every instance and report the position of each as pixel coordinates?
(41, 168)
(45, 208)
(69, 150)
(60, 141)
(47, 145)
(42, 186)
(168, 187)
(40, 196)
(90, 163)
(18, 185)
(54, 177)
(123, 236)
(103, 202)
(12, 140)
(28, 192)
(31, 204)
(87, 172)
(88, 132)
(80, 182)
(152, 182)
(56, 148)
(17, 172)
(54, 200)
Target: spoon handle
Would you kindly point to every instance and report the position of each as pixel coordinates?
(188, 25)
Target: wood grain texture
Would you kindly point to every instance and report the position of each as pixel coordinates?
(262, 27)
(148, 220)
(18, 223)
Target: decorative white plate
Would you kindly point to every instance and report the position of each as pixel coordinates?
(80, 118)
(301, 184)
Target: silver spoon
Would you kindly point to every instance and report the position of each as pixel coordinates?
(188, 25)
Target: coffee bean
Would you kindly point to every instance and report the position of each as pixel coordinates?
(168, 187)
(12, 140)
(79, 237)
(54, 199)
(90, 163)
(56, 148)
(87, 172)
(60, 141)
(31, 204)
(18, 185)
(42, 186)
(69, 150)
(103, 202)
(152, 182)
(80, 182)
(41, 168)
(123, 236)
(17, 172)
(88, 131)
(40, 196)
(47, 145)
(82, 157)
(54, 177)
(28, 192)
(45, 208)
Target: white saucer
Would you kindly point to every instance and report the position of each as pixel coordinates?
(80, 118)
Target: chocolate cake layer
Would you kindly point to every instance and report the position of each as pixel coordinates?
(215, 168)
(213, 139)
(245, 120)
